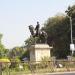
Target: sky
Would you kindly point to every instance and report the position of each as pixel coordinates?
(17, 15)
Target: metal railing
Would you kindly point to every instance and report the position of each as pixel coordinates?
(19, 68)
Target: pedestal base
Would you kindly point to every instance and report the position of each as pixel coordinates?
(39, 51)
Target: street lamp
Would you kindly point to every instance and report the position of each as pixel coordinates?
(72, 47)
(71, 29)
(69, 14)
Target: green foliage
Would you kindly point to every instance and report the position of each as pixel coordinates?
(16, 52)
(26, 66)
(30, 41)
(26, 54)
(14, 63)
(58, 29)
(3, 51)
(71, 13)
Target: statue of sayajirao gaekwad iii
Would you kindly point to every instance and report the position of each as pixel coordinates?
(39, 33)
(37, 28)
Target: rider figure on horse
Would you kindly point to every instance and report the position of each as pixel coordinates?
(37, 32)
(37, 29)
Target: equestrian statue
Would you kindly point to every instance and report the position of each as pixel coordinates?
(39, 33)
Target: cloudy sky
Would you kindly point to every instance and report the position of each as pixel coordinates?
(17, 15)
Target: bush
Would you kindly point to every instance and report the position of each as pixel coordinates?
(26, 66)
(15, 63)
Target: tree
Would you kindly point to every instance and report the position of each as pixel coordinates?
(3, 51)
(16, 52)
(58, 29)
(30, 41)
(71, 13)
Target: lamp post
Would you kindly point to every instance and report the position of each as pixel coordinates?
(71, 29)
(72, 48)
(69, 14)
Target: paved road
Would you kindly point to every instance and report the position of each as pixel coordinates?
(67, 73)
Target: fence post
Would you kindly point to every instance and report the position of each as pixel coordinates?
(0, 68)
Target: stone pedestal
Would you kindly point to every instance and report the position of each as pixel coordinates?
(39, 51)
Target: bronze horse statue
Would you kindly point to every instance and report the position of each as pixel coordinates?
(41, 34)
